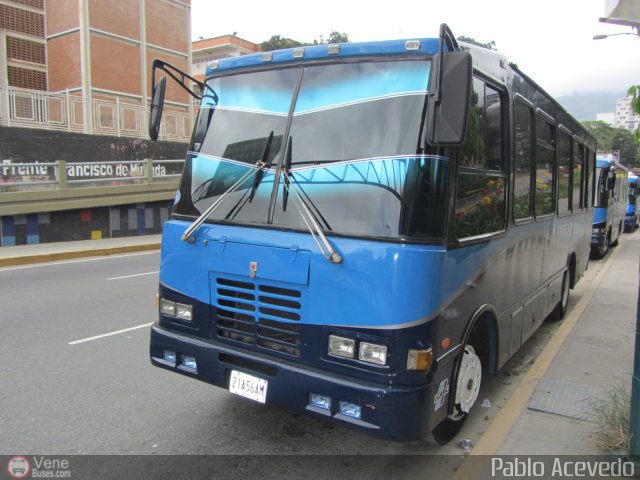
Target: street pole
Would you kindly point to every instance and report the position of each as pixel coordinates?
(634, 426)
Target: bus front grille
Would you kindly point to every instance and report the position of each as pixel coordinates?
(258, 315)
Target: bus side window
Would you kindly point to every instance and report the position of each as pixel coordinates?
(524, 152)
(480, 189)
(578, 169)
(545, 167)
(564, 173)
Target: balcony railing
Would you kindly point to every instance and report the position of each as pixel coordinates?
(21, 107)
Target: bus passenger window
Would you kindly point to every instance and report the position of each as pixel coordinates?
(479, 205)
(578, 166)
(493, 134)
(545, 167)
(524, 152)
(480, 189)
(564, 173)
(473, 150)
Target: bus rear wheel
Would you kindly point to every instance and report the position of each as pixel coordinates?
(466, 393)
(561, 308)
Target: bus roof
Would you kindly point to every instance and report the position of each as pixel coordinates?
(316, 52)
(607, 162)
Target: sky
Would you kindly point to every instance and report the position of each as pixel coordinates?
(550, 40)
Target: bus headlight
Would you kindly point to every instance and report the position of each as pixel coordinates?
(181, 311)
(167, 307)
(372, 353)
(184, 312)
(341, 347)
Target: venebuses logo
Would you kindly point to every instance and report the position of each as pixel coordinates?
(18, 467)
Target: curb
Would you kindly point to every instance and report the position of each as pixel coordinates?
(495, 435)
(69, 255)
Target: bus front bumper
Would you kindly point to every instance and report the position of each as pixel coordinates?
(400, 412)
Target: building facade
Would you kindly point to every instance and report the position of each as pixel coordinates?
(23, 62)
(207, 50)
(625, 118)
(93, 58)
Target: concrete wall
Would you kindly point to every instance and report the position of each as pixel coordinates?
(84, 224)
(31, 145)
(22, 145)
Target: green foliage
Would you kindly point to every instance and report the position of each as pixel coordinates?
(489, 45)
(612, 416)
(612, 139)
(277, 42)
(634, 91)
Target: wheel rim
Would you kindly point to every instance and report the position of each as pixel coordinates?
(469, 379)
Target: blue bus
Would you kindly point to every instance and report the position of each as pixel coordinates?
(610, 205)
(362, 231)
(631, 218)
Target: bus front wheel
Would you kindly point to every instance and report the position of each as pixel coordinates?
(468, 383)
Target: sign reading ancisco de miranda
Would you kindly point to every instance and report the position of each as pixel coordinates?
(34, 172)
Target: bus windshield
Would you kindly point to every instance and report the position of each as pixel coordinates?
(348, 135)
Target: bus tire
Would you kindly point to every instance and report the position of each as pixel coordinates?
(615, 242)
(561, 308)
(469, 380)
(601, 250)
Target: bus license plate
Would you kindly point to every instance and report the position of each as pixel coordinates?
(248, 386)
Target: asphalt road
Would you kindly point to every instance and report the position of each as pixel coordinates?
(75, 379)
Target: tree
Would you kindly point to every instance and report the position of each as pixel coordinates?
(334, 37)
(612, 139)
(276, 42)
(634, 91)
(490, 45)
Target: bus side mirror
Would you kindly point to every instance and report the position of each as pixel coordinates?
(157, 102)
(449, 98)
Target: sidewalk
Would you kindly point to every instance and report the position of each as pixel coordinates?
(596, 356)
(48, 252)
(590, 353)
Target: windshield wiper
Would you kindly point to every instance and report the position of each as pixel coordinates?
(286, 168)
(309, 220)
(258, 169)
(263, 165)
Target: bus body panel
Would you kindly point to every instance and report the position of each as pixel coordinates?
(266, 301)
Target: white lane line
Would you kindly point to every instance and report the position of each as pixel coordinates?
(66, 262)
(134, 275)
(117, 332)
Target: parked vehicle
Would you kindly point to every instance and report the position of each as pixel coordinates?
(610, 205)
(631, 219)
(363, 230)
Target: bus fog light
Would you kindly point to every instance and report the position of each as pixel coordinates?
(342, 347)
(189, 362)
(169, 356)
(420, 359)
(372, 353)
(350, 410)
(184, 312)
(167, 307)
(320, 401)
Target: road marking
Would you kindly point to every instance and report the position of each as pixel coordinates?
(134, 275)
(66, 262)
(117, 332)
